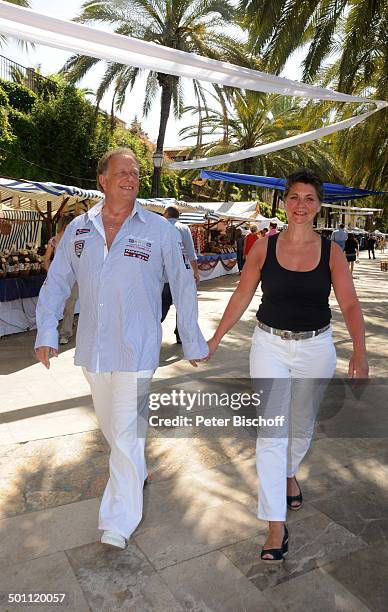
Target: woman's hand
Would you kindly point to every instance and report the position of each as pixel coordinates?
(358, 366)
(212, 344)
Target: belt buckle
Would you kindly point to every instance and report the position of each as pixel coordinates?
(286, 335)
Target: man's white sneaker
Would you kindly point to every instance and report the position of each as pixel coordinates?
(63, 340)
(113, 539)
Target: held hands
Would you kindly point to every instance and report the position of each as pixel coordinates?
(43, 354)
(212, 344)
(358, 366)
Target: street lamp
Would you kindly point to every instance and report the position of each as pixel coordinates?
(157, 160)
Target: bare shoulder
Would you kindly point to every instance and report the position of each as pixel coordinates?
(337, 256)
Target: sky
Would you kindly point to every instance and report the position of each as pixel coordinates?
(50, 60)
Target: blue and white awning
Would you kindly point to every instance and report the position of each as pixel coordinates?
(24, 195)
(198, 218)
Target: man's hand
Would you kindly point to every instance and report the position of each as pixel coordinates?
(197, 278)
(43, 354)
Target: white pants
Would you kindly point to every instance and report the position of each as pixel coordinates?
(121, 400)
(66, 329)
(292, 375)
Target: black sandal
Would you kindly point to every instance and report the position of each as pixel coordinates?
(295, 498)
(277, 554)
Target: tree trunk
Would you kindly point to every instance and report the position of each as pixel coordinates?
(275, 200)
(167, 84)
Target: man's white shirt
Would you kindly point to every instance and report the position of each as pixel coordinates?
(120, 290)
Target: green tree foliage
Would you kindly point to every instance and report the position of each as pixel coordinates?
(346, 49)
(19, 96)
(59, 136)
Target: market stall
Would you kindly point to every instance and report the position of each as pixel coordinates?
(25, 207)
(213, 244)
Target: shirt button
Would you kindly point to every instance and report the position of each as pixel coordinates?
(101, 305)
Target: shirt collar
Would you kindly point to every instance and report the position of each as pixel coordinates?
(137, 209)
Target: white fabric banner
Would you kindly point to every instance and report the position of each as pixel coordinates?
(29, 25)
(277, 145)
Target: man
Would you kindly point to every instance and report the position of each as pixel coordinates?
(118, 253)
(272, 229)
(171, 213)
(371, 243)
(340, 236)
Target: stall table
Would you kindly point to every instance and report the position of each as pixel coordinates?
(18, 299)
(217, 264)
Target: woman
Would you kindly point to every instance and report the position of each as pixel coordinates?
(66, 330)
(292, 344)
(351, 251)
(250, 239)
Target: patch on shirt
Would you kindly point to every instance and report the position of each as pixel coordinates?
(185, 258)
(82, 230)
(138, 247)
(138, 254)
(79, 247)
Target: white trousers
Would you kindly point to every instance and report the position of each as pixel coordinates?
(292, 376)
(121, 400)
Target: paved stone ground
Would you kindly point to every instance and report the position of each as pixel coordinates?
(198, 545)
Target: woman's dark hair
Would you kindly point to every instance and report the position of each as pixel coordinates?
(304, 175)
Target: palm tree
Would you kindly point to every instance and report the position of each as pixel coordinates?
(354, 34)
(195, 26)
(255, 119)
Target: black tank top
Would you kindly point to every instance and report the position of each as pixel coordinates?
(296, 301)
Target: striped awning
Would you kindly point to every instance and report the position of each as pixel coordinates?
(198, 218)
(25, 195)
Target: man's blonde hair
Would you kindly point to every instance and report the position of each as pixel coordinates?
(103, 164)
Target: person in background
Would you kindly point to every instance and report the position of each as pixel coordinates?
(240, 249)
(272, 229)
(171, 213)
(371, 243)
(292, 352)
(250, 239)
(351, 250)
(66, 329)
(339, 236)
(119, 253)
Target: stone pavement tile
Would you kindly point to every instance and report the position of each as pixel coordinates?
(59, 423)
(51, 472)
(114, 580)
(328, 455)
(184, 494)
(42, 533)
(212, 583)
(316, 591)
(197, 533)
(167, 457)
(48, 574)
(360, 509)
(314, 541)
(364, 573)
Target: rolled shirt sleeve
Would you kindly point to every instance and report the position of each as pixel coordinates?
(54, 293)
(184, 294)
